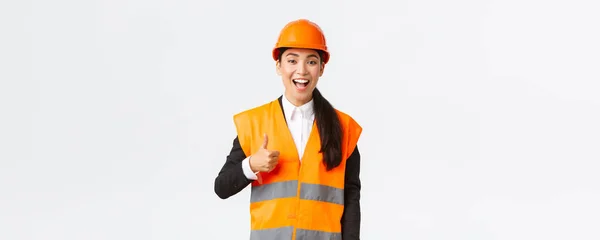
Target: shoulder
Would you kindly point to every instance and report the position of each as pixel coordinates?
(247, 120)
(255, 111)
(351, 131)
(346, 119)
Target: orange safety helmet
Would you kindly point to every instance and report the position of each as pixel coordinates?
(302, 33)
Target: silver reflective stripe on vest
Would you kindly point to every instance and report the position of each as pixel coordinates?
(322, 193)
(303, 234)
(274, 190)
(283, 233)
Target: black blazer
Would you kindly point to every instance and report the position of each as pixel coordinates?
(231, 180)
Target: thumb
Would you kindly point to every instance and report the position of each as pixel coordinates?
(265, 141)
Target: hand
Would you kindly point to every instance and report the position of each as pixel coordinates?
(264, 160)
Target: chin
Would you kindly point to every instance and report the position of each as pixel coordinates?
(304, 96)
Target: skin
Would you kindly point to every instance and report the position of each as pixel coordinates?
(299, 63)
(294, 63)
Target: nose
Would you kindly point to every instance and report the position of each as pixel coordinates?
(302, 69)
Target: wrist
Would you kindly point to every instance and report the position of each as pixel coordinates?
(251, 165)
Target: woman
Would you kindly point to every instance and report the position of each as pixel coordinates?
(299, 154)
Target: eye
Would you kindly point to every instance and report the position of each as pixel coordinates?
(312, 62)
(292, 61)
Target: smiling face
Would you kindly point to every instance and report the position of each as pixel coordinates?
(300, 70)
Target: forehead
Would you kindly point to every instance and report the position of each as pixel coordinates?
(300, 52)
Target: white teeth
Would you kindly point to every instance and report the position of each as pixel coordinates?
(300, 80)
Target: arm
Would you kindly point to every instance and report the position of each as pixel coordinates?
(235, 174)
(351, 217)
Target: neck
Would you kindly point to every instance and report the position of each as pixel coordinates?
(295, 101)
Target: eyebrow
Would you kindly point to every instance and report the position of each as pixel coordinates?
(296, 55)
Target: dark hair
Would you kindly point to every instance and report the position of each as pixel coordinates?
(328, 124)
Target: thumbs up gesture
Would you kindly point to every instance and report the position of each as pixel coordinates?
(264, 160)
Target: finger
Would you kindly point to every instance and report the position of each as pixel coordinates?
(265, 141)
(273, 153)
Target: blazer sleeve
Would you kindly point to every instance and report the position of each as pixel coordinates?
(231, 179)
(351, 216)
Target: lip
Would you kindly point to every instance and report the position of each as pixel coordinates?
(298, 87)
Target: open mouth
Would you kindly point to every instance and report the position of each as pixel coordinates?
(300, 84)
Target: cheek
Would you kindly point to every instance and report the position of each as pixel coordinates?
(316, 73)
(286, 75)
(286, 72)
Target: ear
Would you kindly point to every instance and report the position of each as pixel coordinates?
(278, 67)
(322, 70)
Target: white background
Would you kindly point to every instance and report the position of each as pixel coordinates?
(481, 118)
